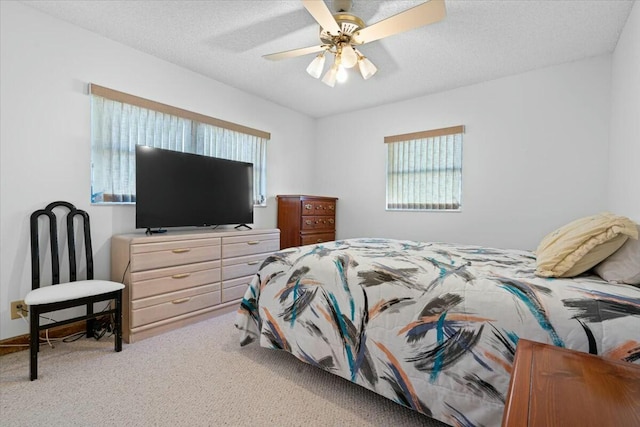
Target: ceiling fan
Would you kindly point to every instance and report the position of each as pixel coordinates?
(342, 32)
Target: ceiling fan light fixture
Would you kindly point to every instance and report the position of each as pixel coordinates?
(349, 56)
(330, 76)
(317, 65)
(341, 32)
(367, 69)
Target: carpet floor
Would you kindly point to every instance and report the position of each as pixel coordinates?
(194, 376)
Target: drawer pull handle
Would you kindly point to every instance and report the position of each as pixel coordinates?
(180, 276)
(253, 262)
(319, 241)
(180, 251)
(331, 221)
(308, 206)
(331, 207)
(253, 242)
(308, 222)
(180, 301)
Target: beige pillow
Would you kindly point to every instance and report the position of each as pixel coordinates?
(581, 244)
(624, 265)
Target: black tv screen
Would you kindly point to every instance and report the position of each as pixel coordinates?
(175, 189)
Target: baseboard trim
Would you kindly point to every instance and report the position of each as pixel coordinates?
(56, 332)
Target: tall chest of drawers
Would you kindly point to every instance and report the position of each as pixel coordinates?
(179, 278)
(304, 220)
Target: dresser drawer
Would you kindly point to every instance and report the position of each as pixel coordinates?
(153, 309)
(232, 248)
(154, 282)
(309, 239)
(235, 288)
(250, 238)
(242, 266)
(318, 223)
(315, 207)
(155, 255)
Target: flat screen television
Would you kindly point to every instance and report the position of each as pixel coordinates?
(175, 189)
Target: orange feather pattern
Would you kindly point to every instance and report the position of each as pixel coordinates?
(402, 373)
(623, 351)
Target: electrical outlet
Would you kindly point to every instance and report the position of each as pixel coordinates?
(19, 307)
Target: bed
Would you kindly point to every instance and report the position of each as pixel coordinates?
(432, 326)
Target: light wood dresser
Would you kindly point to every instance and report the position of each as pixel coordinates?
(182, 277)
(304, 220)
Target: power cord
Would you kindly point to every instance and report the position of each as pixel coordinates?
(125, 271)
(46, 331)
(100, 329)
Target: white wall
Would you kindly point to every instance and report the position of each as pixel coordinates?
(624, 154)
(534, 157)
(45, 66)
(536, 147)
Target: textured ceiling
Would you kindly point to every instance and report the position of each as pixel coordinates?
(477, 41)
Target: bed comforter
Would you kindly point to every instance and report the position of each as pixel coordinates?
(432, 326)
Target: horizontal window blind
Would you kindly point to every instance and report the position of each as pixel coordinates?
(121, 121)
(424, 170)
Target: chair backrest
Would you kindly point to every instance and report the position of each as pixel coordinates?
(53, 239)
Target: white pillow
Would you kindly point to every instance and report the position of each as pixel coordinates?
(624, 265)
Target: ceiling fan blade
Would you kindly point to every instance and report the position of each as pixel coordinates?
(321, 13)
(423, 14)
(293, 53)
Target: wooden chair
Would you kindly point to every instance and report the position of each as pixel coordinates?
(59, 296)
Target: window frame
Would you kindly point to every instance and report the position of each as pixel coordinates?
(423, 135)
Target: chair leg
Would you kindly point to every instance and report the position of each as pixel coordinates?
(90, 322)
(118, 322)
(34, 341)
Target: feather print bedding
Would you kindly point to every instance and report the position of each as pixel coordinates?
(432, 326)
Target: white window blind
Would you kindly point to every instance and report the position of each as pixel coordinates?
(120, 121)
(424, 170)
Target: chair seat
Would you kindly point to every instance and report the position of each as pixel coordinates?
(70, 291)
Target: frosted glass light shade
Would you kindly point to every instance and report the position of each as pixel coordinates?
(315, 68)
(341, 75)
(330, 77)
(349, 57)
(367, 69)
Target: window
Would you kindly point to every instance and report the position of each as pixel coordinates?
(424, 170)
(120, 121)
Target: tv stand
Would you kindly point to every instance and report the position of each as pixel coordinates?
(238, 227)
(185, 276)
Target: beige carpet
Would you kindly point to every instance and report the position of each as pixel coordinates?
(197, 375)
